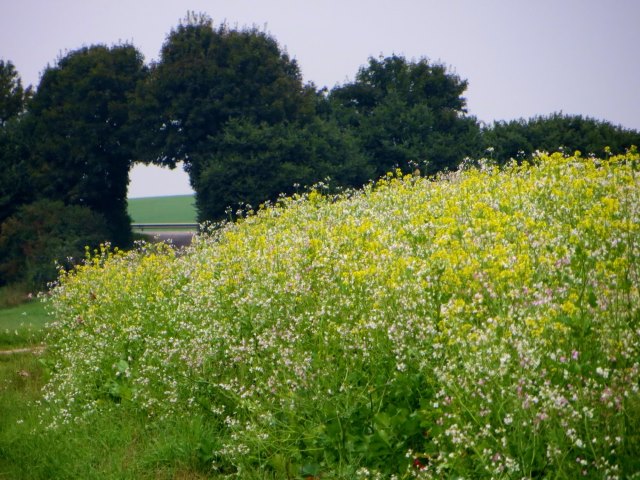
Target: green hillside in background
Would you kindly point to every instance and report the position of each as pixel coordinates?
(172, 209)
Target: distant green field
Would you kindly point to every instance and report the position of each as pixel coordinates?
(174, 209)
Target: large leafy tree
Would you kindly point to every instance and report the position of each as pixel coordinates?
(408, 115)
(208, 76)
(83, 141)
(12, 94)
(15, 188)
(519, 139)
(232, 105)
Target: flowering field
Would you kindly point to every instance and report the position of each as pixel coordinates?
(484, 324)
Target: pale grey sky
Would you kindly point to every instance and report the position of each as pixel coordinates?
(521, 58)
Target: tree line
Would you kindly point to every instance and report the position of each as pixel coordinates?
(232, 105)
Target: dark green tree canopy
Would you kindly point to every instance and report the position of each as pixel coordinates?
(42, 233)
(12, 95)
(207, 76)
(408, 114)
(15, 186)
(519, 139)
(83, 141)
(254, 163)
(413, 83)
(231, 105)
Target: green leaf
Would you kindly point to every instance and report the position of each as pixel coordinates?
(122, 366)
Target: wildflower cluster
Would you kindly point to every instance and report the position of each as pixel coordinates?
(483, 324)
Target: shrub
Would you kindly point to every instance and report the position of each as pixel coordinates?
(45, 233)
(482, 325)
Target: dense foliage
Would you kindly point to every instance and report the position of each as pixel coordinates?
(14, 178)
(480, 325)
(16, 187)
(232, 105)
(206, 76)
(408, 115)
(13, 95)
(44, 234)
(82, 143)
(519, 139)
(253, 164)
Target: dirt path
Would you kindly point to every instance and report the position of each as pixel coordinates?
(37, 350)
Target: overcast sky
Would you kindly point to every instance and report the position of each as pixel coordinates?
(521, 58)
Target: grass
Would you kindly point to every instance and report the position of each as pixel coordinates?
(478, 325)
(170, 209)
(119, 446)
(22, 325)
(21, 378)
